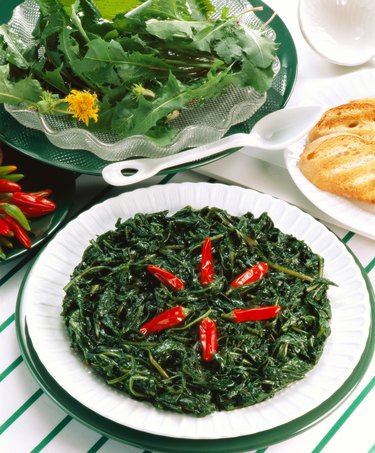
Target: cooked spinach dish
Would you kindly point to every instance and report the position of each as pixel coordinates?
(199, 311)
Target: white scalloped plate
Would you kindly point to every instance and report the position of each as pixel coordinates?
(43, 294)
(359, 217)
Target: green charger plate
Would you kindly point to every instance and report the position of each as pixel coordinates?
(35, 144)
(151, 442)
(38, 176)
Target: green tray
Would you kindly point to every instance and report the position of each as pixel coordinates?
(151, 442)
(35, 143)
(38, 176)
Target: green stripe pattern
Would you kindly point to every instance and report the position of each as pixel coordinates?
(344, 417)
(98, 445)
(21, 410)
(52, 435)
(10, 368)
(8, 322)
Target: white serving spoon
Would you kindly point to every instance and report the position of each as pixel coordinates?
(275, 131)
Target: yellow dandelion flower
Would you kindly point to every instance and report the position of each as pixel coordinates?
(83, 105)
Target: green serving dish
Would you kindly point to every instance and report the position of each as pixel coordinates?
(35, 144)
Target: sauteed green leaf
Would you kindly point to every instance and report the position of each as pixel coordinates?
(111, 295)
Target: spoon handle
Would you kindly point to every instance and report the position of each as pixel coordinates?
(141, 169)
(275, 131)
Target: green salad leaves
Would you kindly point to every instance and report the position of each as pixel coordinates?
(142, 62)
(111, 295)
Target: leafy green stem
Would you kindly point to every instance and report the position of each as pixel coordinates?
(158, 367)
(193, 322)
(84, 273)
(230, 20)
(291, 272)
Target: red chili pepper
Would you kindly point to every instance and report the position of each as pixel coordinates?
(42, 193)
(166, 277)
(8, 186)
(22, 199)
(207, 269)
(18, 231)
(33, 211)
(5, 228)
(253, 314)
(208, 338)
(251, 275)
(165, 320)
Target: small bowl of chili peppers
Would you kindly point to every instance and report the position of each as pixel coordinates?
(34, 199)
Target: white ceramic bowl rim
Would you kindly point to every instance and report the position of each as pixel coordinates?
(341, 31)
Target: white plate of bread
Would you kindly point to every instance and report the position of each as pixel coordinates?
(334, 166)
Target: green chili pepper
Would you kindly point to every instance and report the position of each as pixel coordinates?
(16, 213)
(15, 177)
(2, 254)
(5, 242)
(6, 169)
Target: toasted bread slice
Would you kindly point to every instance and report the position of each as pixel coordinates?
(355, 117)
(343, 164)
(364, 100)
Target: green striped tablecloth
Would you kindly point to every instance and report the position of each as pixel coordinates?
(31, 422)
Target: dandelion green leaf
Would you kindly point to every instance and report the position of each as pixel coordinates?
(26, 91)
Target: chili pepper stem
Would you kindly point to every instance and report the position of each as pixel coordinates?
(228, 316)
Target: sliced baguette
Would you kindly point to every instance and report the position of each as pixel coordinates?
(343, 164)
(355, 117)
